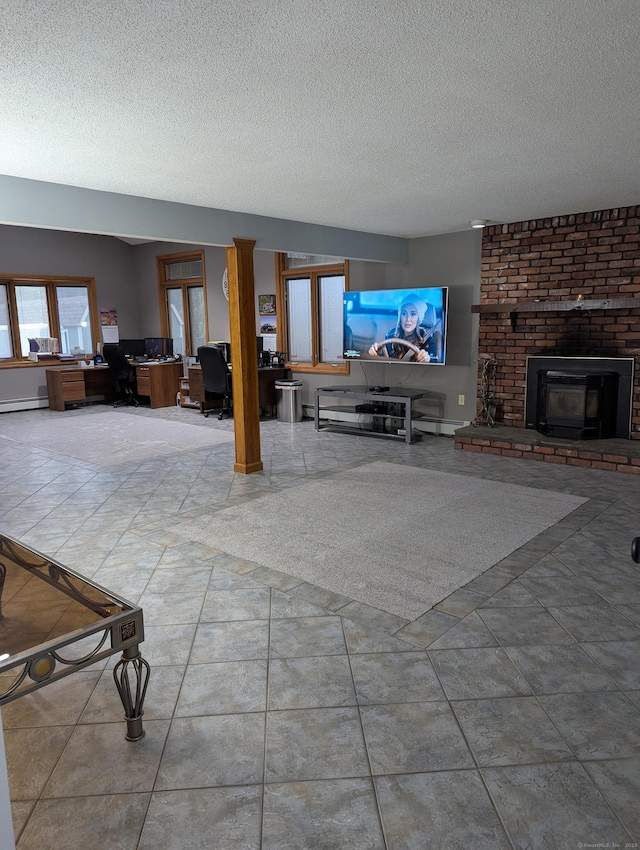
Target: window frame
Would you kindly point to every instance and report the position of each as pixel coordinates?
(50, 283)
(183, 284)
(314, 273)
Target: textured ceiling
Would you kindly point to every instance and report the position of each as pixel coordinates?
(400, 117)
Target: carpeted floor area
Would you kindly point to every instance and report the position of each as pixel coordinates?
(394, 537)
(114, 438)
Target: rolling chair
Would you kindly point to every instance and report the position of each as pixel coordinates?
(122, 373)
(216, 377)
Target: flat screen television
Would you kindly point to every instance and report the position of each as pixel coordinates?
(396, 325)
(158, 347)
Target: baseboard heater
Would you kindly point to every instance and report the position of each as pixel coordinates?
(15, 404)
(433, 425)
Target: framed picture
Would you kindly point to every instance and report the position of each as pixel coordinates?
(108, 317)
(267, 305)
(267, 324)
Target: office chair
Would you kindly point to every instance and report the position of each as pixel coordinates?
(123, 375)
(216, 377)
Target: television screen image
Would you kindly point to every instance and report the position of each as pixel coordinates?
(396, 325)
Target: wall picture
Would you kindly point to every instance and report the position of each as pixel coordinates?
(109, 324)
(267, 324)
(108, 317)
(267, 305)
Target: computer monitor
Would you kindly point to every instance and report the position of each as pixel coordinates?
(158, 347)
(132, 347)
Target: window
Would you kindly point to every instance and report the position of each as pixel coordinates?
(33, 314)
(5, 330)
(74, 319)
(183, 304)
(310, 301)
(65, 309)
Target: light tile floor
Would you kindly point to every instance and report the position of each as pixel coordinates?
(280, 715)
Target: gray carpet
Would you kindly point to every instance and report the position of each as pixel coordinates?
(395, 537)
(112, 439)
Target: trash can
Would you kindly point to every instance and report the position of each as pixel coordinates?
(289, 401)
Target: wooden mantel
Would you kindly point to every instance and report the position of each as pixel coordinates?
(538, 306)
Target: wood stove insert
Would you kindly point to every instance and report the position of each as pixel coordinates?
(577, 405)
(577, 398)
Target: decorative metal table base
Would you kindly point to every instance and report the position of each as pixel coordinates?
(90, 624)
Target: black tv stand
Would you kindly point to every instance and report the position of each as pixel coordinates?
(373, 420)
(378, 389)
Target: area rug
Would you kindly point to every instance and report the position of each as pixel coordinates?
(395, 537)
(112, 439)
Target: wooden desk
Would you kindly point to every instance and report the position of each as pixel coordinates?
(267, 377)
(159, 381)
(73, 384)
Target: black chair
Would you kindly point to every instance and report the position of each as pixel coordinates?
(216, 377)
(123, 375)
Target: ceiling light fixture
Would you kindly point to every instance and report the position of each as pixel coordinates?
(479, 223)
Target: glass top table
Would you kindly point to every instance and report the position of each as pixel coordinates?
(54, 621)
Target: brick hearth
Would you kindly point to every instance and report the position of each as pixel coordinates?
(615, 454)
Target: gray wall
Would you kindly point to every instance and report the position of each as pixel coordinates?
(126, 279)
(451, 260)
(215, 261)
(34, 203)
(30, 251)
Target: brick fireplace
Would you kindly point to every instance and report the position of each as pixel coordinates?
(566, 287)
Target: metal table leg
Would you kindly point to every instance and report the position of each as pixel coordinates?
(132, 701)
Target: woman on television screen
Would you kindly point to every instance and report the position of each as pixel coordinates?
(414, 337)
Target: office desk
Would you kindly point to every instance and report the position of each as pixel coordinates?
(267, 377)
(159, 381)
(73, 384)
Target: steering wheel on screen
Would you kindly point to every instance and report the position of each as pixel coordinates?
(396, 340)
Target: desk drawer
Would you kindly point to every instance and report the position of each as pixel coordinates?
(143, 381)
(72, 376)
(73, 390)
(196, 385)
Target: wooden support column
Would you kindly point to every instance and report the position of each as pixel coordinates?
(244, 355)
